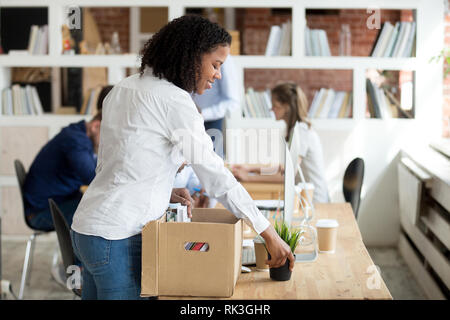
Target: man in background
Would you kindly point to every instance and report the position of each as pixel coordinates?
(223, 97)
(61, 167)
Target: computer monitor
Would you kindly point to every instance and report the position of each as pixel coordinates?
(292, 168)
(289, 186)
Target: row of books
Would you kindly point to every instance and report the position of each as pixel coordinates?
(316, 43)
(279, 42)
(258, 104)
(90, 101)
(395, 41)
(196, 246)
(328, 103)
(21, 100)
(38, 40)
(382, 104)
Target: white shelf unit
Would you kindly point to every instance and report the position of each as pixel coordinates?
(376, 140)
(358, 65)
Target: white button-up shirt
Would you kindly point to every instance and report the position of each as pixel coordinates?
(149, 127)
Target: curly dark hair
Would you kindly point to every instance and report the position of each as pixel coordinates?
(175, 51)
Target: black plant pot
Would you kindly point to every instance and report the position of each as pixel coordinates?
(281, 273)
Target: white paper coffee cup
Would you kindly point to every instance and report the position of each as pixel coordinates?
(260, 254)
(327, 235)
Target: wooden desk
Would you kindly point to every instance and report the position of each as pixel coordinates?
(264, 190)
(348, 274)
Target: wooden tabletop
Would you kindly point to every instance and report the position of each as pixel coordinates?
(347, 274)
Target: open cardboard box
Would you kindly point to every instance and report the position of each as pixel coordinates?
(169, 269)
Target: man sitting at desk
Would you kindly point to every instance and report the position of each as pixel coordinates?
(61, 167)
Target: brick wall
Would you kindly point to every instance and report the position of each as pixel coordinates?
(255, 28)
(256, 24)
(113, 19)
(362, 37)
(310, 80)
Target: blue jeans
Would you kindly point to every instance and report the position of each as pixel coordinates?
(111, 268)
(43, 220)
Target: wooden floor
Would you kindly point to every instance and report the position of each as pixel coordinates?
(394, 271)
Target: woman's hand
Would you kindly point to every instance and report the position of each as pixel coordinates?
(182, 167)
(240, 173)
(181, 195)
(278, 249)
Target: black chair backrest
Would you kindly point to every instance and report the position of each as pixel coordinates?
(21, 176)
(353, 180)
(63, 234)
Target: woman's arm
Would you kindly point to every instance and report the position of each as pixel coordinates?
(187, 134)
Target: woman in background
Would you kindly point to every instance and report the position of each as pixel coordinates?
(289, 103)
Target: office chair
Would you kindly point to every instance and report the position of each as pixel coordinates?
(29, 252)
(352, 184)
(63, 233)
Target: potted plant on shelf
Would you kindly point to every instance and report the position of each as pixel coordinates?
(291, 237)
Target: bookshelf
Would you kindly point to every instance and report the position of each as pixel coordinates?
(376, 140)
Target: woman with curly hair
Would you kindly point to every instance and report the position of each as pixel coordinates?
(150, 127)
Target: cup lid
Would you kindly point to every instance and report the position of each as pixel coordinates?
(327, 223)
(174, 205)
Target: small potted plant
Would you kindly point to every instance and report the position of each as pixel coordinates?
(291, 237)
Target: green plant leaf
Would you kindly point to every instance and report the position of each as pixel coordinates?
(289, 235)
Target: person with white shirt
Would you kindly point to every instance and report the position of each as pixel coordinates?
(223, 97)
(289, 103)
(150, 127)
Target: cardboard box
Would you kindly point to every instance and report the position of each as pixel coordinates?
(169, 269)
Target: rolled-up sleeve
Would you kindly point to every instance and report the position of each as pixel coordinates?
(187, 134)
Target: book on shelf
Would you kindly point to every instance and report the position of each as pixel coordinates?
(20, 100)
(382, 104)
(38, 40)
(374, 107)
(326, 105)
(330, 104)
(90, 99)
(285, 43)
(336, 104)
(395, 41)
(279, 42)
(257, 104)
(408, 52)
(273, 43)
(383, 40)
(316, 43)
(396, 106)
